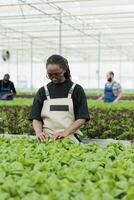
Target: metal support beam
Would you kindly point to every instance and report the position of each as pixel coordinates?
(31, 67)
(120, 65)
(17, 66)
(89, 72)
(60, 32)
(99, 60)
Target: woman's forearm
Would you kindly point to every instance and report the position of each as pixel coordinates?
(75, 126)
(38, 126)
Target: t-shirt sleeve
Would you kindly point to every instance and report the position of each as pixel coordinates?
(13, 88)
(119, 88)
(37, 105)
(80, 104)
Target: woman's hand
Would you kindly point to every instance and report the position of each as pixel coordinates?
(60, 135)
(70, 130)
(38, 127)
(41, 136)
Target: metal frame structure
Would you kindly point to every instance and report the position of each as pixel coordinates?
(93, 30)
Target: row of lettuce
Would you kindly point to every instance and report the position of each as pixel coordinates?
(32, 170)
(90, 95)
(106, 120)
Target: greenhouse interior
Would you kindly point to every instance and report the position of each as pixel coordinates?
(66, 100)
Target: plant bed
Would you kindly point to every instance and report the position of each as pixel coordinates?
(85, 140)
(65, 170)
(107, 120)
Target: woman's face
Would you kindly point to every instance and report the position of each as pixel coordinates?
(55, 73)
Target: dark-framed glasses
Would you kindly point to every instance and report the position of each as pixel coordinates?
(58, 74)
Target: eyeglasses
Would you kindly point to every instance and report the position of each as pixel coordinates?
(49, 75)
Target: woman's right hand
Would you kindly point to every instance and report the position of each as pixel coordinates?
(41, 136)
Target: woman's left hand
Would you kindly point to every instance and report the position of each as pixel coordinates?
(60, 135)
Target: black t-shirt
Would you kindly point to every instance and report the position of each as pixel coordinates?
(61, 91)
(6, 85)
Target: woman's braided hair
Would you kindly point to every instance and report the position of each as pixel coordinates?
(62, 62)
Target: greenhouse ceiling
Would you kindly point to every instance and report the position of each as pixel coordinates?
(80, 28)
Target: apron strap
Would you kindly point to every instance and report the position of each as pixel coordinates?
(71, 90)
(111, 84)
(47, 92)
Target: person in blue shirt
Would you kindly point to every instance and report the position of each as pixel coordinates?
(7, 89)
(112, 90)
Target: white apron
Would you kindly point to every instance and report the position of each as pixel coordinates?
(58, 114)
